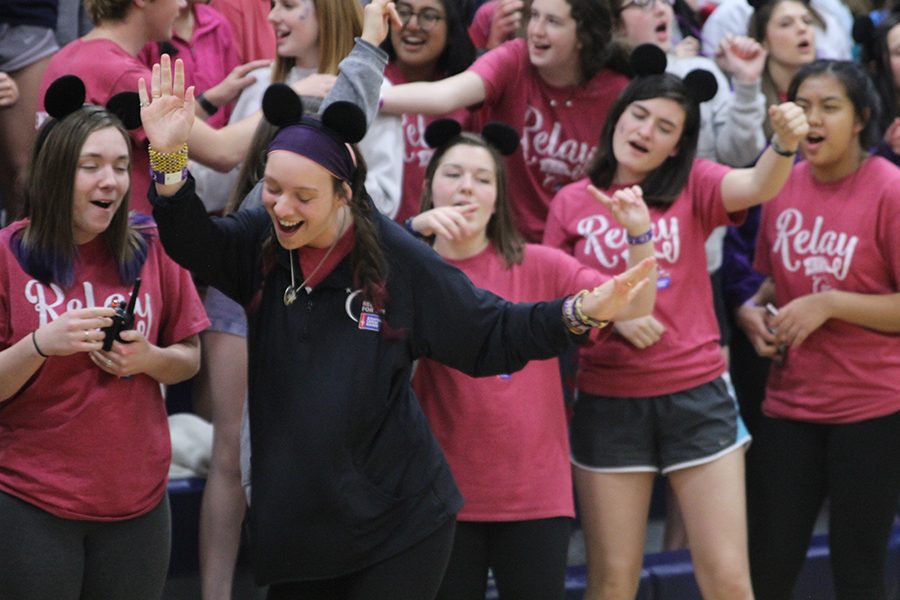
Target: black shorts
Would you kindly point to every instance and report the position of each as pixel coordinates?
(657, 434)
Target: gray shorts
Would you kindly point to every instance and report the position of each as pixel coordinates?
(656, 434)
(23, 45)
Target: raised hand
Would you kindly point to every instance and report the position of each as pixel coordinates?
(378, 17)
(612, 297)
(167, 111)
(790, 124)
(505, 22)
(627, 207)
(741, 57)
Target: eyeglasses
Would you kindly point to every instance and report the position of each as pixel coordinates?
(426, 18)
(647, 5)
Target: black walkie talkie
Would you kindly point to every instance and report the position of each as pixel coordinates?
(123, 320)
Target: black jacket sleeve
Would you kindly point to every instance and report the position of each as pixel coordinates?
(223, 252)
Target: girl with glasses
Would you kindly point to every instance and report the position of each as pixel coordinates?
(432, 44)
(554, 88)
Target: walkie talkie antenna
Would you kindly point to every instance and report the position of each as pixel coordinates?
(129, 310)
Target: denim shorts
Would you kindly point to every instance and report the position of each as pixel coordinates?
(225, 315)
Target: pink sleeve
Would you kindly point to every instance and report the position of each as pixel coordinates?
(500, 69)
(705, 187)
(887, 236)
(480, 29)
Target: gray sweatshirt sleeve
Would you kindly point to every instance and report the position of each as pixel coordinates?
(740, 139)
(359, 79)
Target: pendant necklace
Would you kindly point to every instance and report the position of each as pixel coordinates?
(291, 291)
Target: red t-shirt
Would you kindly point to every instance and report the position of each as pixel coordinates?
(254, 35)
(842, 235)
(505, 436)
(559, 127)
(76, 441)
(106, 69)
(208, 57)
(417, 153)
(688, 353)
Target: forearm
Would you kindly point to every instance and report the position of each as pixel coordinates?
(18, 364)
(175, 363)
(225, 148)
(644, 302)
(880, 312)
(740, 138)
(743, 188)
(435, 97)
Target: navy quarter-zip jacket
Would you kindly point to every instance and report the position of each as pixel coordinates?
(345, 471)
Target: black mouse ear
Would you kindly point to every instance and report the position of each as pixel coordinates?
(648, 59)
(757, 4)
(701, 85)
(64, 96)
(346, 119)
(281, 105)
(501, 136)
(126, 106)
(441, 131)
(864, 35)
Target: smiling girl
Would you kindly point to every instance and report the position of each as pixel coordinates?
(85, 440)
(651, 399)
(517, 486)
(830, 244)
(432, 44)
(553, 88)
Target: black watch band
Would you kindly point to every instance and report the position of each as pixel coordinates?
(206, 105)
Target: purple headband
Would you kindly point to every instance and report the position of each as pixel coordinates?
(309, 139)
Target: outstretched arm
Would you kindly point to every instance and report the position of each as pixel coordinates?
(435, 97)
(743, 188)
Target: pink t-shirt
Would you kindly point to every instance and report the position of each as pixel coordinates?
(505, 436)
(417, 153)
(208, 57)
(559, 127)
(687, 354)
(106, 69)
(842, 235)
(76, 441)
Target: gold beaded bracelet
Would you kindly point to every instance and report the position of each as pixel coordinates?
(585, 319)
(169, 168)
(169, 162)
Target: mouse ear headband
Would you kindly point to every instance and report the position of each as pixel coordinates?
(648, 60)
(67, 95)
(497, 134)
(323, 140)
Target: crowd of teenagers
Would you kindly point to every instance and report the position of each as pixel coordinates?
(444, 274)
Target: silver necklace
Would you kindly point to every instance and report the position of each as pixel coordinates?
(291, 291)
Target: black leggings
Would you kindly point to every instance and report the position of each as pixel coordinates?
(413, 574)
(44, 557)
(792, 468)
(528, 559)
